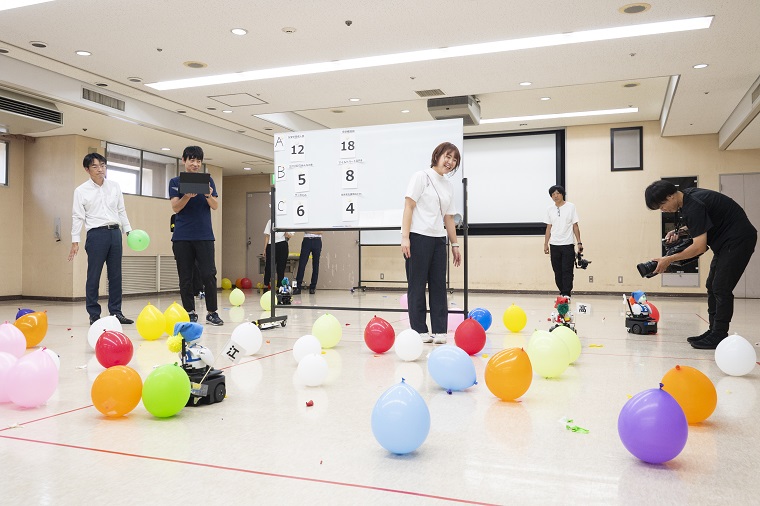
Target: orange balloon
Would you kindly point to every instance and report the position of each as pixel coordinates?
(509, 374)
(693, 391)
(34, 327)
(116, 391)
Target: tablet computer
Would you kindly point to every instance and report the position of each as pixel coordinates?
(194, 182)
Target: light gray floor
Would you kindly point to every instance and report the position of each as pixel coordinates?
(262, 445)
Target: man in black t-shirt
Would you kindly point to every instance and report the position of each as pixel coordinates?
(713, 220)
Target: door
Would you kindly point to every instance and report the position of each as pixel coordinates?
(256, 216)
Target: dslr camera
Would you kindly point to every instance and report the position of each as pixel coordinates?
(646, 269)
(580, 262)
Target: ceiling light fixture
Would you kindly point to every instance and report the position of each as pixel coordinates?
(239, 31)
(546, 98)
(102, 85)
(13, 4)
(700, 66)
(227, 111)
(404, 111)
(525, 83)
(38, 44)
(246, 168)
(4, 51)
(578, 114)
(84, 53)
(166, 149)
(135, 79)
(558, 39)
(354, 99)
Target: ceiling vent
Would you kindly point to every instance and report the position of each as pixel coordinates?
(99, 98)
(465, 107)
(21, 114)
(430, 93)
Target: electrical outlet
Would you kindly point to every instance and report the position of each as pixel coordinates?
(382, 276)
(591, 279)
(620, 279)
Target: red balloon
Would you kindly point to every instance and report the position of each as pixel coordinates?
(246, 283)
(113, 348)
(470, 336)
(379, 335)
(654, 311)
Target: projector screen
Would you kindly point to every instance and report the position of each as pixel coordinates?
(508, 178)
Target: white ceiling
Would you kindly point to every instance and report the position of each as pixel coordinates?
(151, 40)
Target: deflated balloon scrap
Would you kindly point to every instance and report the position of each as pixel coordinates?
(309, 403)
(596, 346)
(569, 425)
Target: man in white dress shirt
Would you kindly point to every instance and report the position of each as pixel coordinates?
(99, 206)
(561, 228)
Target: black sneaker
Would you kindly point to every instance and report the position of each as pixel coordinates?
(711, 341)
(193, 317)
(296, 291)
(213, 319)
(312, 290)
(123, 319)
(693, 339)
(94, 318)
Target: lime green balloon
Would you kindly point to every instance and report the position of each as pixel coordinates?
(166, 391)
(237, 297)
(570, 339)
(138, 240)
(515, 318)
(226, 284)
(328, 330)
(548, 354)
(266, 301)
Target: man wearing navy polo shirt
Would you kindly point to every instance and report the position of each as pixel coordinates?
(99, 206)
(193, 238)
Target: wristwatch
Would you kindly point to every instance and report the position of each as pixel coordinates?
(454, 245)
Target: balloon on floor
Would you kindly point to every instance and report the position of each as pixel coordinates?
(116, 391)
(113, 348)
(166, 391)
(226, 284)
(247, 336)
(34, 327)
(379, 335)
(306, 345)
(400, 419)
(482, 316)
(12, 340)
(693, 391)
(735, 356)
(312, 370)
(328, 330)
(470, 336)
(509, 374)
(514, 318)
(408, 345)
(452, 368)
(174, 314)
(32, 379)
(548, 354)
(100, 326)
(151, 323)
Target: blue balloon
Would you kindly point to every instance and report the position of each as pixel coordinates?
(482, 316)
(452, 368)
(400, 419)
(21, 312)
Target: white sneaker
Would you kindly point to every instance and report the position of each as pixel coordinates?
(426, 338)
(439, 338)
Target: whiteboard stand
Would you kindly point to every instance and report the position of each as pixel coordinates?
(274, 320)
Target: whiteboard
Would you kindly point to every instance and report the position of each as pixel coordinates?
(355, 178)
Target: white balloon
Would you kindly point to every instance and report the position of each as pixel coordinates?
(408, 345)
(56, 358)
(100, 326)
(248, 336)
(312, 370)
(636, 309)
(306, 345)
(735, 356)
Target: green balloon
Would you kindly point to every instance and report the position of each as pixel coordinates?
(328, 330)
(138, 240)
(237, 297)
(166, 391)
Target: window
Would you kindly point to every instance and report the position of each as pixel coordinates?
(3, 163)
(140, 172)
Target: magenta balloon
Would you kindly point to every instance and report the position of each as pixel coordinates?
(12, 340)
(6, 362)
(653, 427)
(32, 379)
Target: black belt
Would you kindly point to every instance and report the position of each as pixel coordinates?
(106, 227)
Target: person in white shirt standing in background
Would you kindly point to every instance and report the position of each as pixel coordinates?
(561, 225)
(99, 206)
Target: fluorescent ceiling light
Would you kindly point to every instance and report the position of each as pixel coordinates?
(578, 114)
(441, 53)
(12, 4)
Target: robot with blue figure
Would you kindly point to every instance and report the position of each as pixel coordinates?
(207, 384)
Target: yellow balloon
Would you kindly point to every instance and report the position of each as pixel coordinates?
(266, 301)
(226, 284)
(515, 318)
(570, 339)
(328, 330)
(174, 314)
(151, 323)
(237, 297)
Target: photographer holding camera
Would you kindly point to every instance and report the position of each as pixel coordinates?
(561, 225)
(715, 220)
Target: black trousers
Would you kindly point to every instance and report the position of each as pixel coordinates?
(563, 261)
(187, 254)
(427, 266)
(726, 269)
(103, 246)
(309, 246)
(281, 252)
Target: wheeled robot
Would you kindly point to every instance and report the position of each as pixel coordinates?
(207, 385)
(639, 322)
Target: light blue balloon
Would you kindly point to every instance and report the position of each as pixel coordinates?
(400, 419)
(451, 368)
(482, 316)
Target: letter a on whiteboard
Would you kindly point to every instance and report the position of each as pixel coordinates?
(279, 142)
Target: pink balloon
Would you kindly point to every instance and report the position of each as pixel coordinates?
(6, 362)
(12, 340)
(404, 302)
(454, 320)
(32, 380)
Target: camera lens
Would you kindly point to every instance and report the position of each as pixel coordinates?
(646, 269)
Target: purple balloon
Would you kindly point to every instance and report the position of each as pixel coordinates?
(22, 311)
(653, 427)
